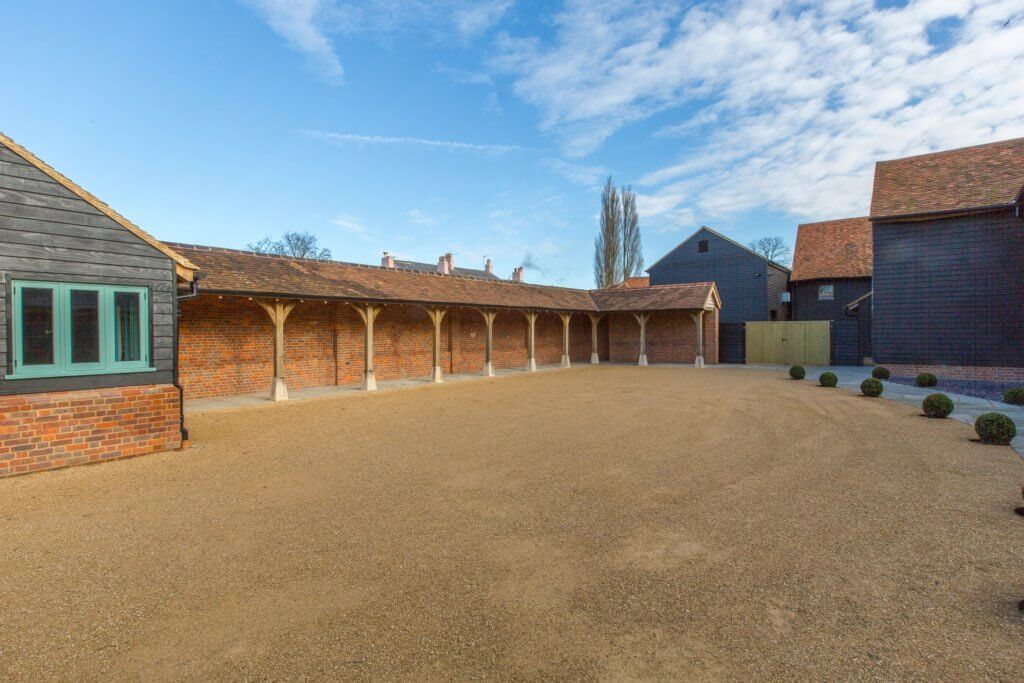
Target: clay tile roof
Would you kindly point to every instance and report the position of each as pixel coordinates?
(634, 282)
(693, 295)
(957, 180)
(183, 266)
(833, 249)
(229, 271)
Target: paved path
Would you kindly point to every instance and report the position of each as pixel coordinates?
(965, 408)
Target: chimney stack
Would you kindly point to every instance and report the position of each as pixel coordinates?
(517, 274)
(442, 265)
(489, 267)
(451, 263)
(388, 261)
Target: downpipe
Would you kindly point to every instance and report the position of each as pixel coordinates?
(193, 292)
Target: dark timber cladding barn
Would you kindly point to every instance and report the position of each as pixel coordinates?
(831, 277)
(949, 262)
(89, 335)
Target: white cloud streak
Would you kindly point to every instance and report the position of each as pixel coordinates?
(353, 138)
(299, 23)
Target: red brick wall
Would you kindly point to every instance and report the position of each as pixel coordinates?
(977, 372)
(227, 344)
(671, 338)
(59, 429)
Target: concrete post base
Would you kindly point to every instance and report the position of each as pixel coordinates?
(438, 375)
(488, 369)
(531, 365)
(369, 382)
(278, 389)
(699, 363)
(565, 362)
(643, 359)
(595, 359)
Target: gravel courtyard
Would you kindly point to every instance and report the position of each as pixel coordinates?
(610, 522)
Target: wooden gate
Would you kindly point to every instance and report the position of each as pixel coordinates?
(789, 343)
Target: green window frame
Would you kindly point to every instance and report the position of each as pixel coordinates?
(95, 329)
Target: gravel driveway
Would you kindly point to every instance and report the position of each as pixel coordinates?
(607, 522)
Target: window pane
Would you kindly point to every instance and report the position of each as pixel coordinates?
(37, 326)
(85, 326)
(127, 327)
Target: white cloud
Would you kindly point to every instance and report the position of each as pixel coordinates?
(350, 224)
(781, 104)
(298, 22)
(420, 218)
(353, 138)
(308, 25)
(578, 174)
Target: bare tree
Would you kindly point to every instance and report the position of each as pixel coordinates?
(772, 248)
(292, 243)
(632, 249)
(607, 244)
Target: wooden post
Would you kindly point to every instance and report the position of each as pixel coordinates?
(642, 319)
(698, 321)
(278, 312)
(436, 316)
(595, 318)
(489, 353)
(531, 323)
(369, 313)
(565, 339)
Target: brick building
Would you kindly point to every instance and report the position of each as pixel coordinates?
(343, 323)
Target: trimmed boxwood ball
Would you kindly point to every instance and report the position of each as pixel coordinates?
(797, 372)
(871, 387)
(995, 428)
(937, 406)
(1014, 396)
(880, 373)
(828, 379)
(926, 379)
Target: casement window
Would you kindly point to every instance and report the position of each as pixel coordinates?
(826, 292)
(63, 328)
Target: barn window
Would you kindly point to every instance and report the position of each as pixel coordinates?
(702, 246)
(826, 292)
(61, 328)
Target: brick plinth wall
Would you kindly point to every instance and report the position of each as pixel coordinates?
(671, 337)
(60, 429)
(227, 344)
(975, 372)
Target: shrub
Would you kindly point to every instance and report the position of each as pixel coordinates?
(926, 379)
(828, 379)
(797, 372)
(1014, 396)
(871, 387)
(881, 373)
(937, 406)
(995, 428)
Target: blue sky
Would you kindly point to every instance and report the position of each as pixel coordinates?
(486, 128)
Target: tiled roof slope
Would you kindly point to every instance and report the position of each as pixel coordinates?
(693, 295)
(634, 282)
(833, 249)
(183, 266)
(956, 180)
(230, 271)
(431, 268)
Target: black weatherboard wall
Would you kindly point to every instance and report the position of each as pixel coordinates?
(807, 306)
(750, 286)
(950, 291)
(48, 233)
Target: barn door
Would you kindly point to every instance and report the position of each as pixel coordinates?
(789, 342)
